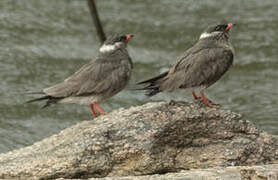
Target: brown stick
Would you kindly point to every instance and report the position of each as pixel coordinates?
(96, 20)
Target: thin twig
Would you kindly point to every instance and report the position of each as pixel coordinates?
(96, 20)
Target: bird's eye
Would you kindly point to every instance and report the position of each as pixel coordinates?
(123, 38)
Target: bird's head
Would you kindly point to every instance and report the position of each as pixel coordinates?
(216, 30)
(115, 42)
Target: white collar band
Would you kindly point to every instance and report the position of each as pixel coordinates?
(109, 47)
(206, 35)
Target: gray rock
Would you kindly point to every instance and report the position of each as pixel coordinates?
(154, 138)
(266, 172)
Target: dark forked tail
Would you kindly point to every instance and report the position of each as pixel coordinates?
(152, 86)
(50, 100)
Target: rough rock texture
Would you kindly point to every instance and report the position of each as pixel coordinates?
(155, 138)
(266, 172)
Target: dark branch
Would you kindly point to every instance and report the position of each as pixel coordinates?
(96, 20)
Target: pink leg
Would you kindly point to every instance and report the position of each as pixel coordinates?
(194, 95)
(93, 110)
(98, 108)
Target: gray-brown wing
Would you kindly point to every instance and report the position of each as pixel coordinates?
(201, 68)
(103, 75)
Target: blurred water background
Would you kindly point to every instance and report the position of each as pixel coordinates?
(43, 42)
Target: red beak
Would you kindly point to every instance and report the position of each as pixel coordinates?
(128, 36)
(229, 26)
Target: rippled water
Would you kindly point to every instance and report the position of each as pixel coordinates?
(43, 42)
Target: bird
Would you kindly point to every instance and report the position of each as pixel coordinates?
(100, 79)
(199, 67)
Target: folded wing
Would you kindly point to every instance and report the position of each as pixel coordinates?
(102, 75)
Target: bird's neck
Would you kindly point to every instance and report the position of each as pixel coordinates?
(218, 35)
(108, 48)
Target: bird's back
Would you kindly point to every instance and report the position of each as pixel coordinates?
(202, 65)
(104, 76)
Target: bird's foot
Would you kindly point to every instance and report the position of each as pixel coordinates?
(208, 102)
(212, 104)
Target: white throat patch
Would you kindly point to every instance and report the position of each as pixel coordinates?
(109, 48)
(206, 35)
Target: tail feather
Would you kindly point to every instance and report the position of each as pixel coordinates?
(152, 85)
(49, 100)
(38, 99)
(154, 78)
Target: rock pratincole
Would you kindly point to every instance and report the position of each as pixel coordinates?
(200, 66)
(101, 78)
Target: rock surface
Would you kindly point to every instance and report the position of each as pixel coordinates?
(266, 172)
(155, 138)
